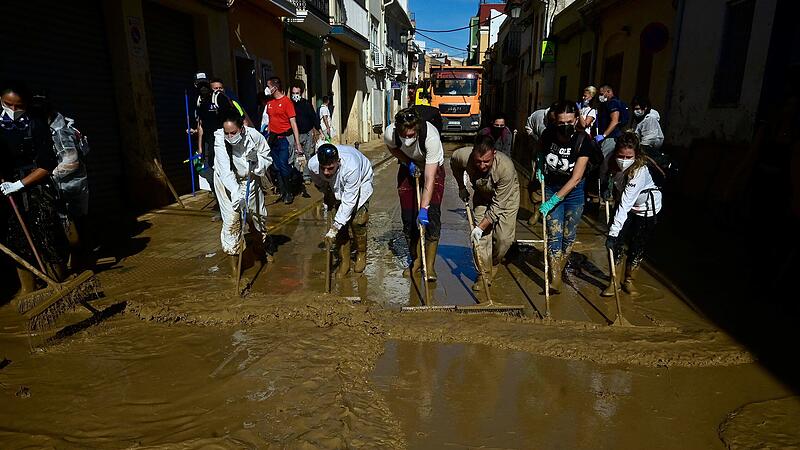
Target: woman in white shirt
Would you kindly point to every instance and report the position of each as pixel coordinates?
(638, 200)
(588, 109)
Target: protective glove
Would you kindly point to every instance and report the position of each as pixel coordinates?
(423, 216)
(9, 188)
(330, 236)
(539, 174)
(463, 193)
(599, 138)
(412, 169)
(549, 204)
(611, 242)
(477, 234)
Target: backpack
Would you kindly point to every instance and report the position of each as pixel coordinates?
(421, 137)
(595, 154)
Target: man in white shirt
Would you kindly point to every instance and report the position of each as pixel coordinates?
(344, 176)
(417, 146)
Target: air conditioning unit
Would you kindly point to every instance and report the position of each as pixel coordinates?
(377, 58)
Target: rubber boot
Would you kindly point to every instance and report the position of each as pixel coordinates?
(344, 260)
(431, 247)
(556, 272)
(627, 285)
(286, 191)
(534, 219)
(361, 253)
(27, 282)
(416, 263)
(234, 261)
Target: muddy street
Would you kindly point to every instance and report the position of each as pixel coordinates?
(183, 362)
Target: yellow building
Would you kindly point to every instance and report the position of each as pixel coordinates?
(627, 44)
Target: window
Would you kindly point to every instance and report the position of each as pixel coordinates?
(733, 53)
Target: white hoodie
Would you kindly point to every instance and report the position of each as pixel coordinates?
(649, 130)
(633, 198)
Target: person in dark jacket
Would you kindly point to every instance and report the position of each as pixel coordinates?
(307, 125)
(500, 133)
(27, 160)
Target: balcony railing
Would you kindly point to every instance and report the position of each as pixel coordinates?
(352, 14)
(319, 8)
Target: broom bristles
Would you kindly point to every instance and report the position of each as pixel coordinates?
(34, 298)
(71, 294)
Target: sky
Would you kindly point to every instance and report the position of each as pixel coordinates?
(444, 15)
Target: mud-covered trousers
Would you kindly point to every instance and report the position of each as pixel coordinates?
(563, 219)
(230, 235)
(635, 234)
(496, 241)
(408, 203)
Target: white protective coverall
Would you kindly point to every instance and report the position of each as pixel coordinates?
(649, 130)
(351, 184)
(232, 164)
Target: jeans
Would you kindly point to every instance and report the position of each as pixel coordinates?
(280, 157)
(563, 219)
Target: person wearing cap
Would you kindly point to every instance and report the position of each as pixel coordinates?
(417, 146)
(211, 107)
(217, 85)
(494, 182)
(282, 124)
(241, 154)
(344, 176)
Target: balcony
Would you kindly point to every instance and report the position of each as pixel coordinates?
(312, 16)
(350, 24)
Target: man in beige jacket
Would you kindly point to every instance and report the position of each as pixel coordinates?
(495, 201)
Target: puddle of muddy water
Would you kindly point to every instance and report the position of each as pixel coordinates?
(467, 396)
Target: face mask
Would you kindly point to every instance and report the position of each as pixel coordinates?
(566, 130)
(14, 115)
(602, 98)
(624, 163)
(638, 112)
(233, 140)
(408, 142)
(497, 131)
(296, 97)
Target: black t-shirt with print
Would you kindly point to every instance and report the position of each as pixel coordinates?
(559, 161)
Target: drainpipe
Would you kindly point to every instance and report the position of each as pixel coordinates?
(675, 48)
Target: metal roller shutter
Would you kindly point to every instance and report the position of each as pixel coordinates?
(62, 47)
(171, 49)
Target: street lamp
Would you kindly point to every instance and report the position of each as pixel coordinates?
(515, 10)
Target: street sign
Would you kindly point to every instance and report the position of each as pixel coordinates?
(548, 52)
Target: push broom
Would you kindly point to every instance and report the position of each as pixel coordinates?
(43, 307)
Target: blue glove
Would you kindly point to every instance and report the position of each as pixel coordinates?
(599, 138)
(423, 216)
(549, 204)
(412, 168)
(611, 242)
(539, 174)
(579, 105)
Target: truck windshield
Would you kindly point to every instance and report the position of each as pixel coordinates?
(455, 86)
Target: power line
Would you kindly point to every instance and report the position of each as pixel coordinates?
(462, 28)
(442, 43)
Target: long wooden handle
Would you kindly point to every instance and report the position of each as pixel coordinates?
(546, 265)
(476, 254)
(27, 233)
(27, 265)
(168, 183)
(328, 259)
(614, 280)
(422, 244)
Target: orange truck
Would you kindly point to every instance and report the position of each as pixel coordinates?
(456, 91)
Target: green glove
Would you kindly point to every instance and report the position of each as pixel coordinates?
(549, 204)
(539, 166)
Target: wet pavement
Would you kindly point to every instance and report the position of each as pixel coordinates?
(187, 363)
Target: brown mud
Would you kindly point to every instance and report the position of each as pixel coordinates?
(189, 364)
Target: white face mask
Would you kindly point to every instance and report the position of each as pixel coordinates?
(235, 139)
(408, 142)
(13, 115)
(624, 163)
(638, 112)
(602, 98)
(296, 97)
